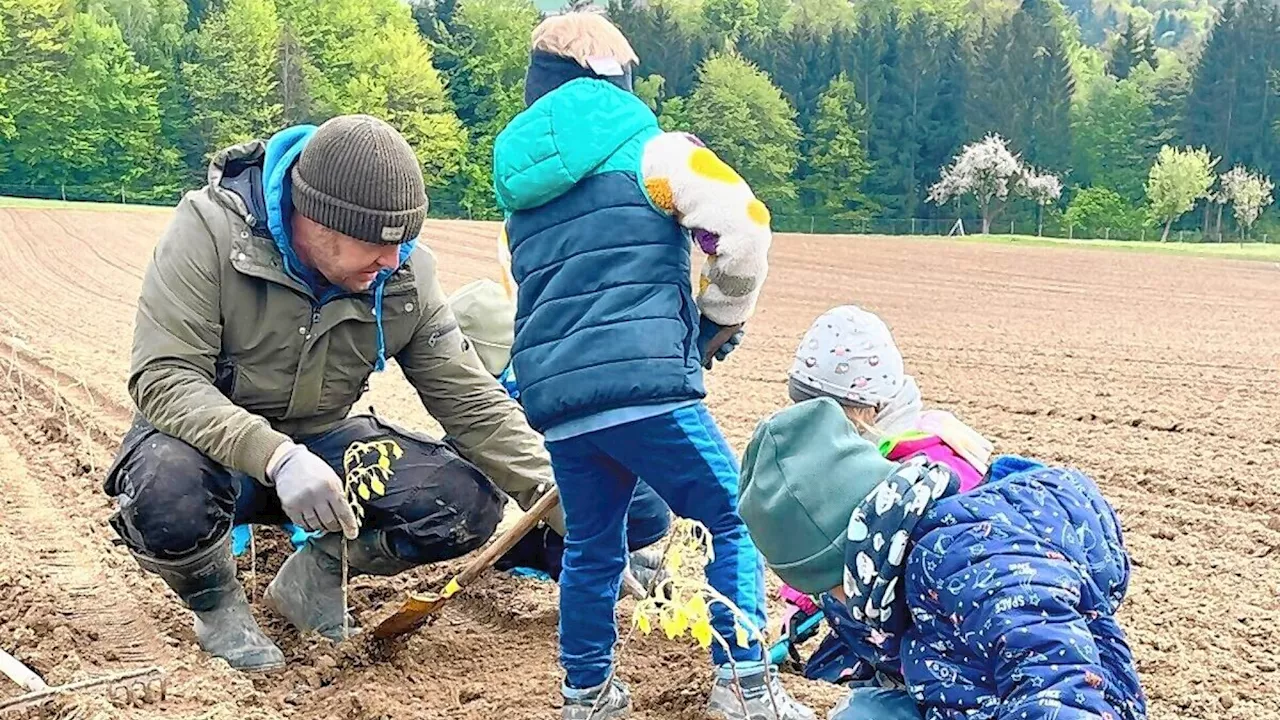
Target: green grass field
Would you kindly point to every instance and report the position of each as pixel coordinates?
(1247, 251)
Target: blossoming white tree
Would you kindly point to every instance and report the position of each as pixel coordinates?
(1043, 189)
(989, 172)
(1248, 193)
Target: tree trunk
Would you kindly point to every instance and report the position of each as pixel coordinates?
(1168, 224)
(1040, 221)
(986, 217)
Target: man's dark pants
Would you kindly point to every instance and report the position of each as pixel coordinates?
(431, 506)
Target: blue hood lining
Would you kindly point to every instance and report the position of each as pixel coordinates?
(283, 150)
(1005, 465)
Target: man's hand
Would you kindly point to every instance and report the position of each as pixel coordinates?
(716, 341)
(311, 493)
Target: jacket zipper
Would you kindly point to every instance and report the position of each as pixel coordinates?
(435, 336)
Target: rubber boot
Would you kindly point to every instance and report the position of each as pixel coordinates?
(308, 589)
(645, 571)
(225, 628)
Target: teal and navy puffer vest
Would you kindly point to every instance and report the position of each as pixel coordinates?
(606, 317)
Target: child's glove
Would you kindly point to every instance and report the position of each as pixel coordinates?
(239, 539)
(712, 342)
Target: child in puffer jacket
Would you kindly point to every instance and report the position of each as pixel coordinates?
(996, 604)
(849, 355)
(601, 210)
(486, 313)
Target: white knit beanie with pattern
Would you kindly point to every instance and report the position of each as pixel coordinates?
(848, 354)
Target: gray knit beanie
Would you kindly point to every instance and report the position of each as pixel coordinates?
(359, 176)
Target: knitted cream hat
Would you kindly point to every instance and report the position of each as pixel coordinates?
(487, 316)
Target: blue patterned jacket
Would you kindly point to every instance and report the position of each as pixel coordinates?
(1012, 590)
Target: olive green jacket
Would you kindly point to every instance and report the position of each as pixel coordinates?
(234, 356)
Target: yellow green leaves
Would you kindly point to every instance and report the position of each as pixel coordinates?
(681, 604)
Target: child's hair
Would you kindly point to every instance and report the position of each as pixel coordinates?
(863, 418)
(582, 35)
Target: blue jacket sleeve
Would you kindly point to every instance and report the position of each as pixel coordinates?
(1012, 610)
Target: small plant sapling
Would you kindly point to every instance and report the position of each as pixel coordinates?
(681, 604)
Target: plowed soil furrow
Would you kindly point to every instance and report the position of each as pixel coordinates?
(1156, 374)
(51, 540)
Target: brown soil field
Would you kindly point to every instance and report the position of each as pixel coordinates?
(1158, 375)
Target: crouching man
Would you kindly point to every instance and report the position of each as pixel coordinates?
(275, 292)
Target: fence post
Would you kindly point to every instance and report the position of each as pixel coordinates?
(1144, 234)
(1071, 231)
(64, 192)
(811, 222)
(1180, 235)
(122, 200)
(1108, 237)
(913, 226)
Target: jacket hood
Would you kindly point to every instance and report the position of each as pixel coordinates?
(283, 150)
(804, 472)
(563, 137)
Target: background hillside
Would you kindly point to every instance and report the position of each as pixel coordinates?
(853, 107)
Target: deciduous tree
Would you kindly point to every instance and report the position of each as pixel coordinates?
(1178, 179)
(232, 78)
(835, 162)
(741, 115)
(1249, 194)
(987, 171)
(366, 56)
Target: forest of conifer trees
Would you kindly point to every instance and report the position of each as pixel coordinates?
(839, 114)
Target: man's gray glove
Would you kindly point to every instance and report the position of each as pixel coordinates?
(310, 491)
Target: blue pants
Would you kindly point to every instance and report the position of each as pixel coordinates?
(867, 703)
(685, 459)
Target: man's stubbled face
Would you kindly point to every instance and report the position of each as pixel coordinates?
(344, 261)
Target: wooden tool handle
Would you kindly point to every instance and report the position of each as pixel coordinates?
(490, 555)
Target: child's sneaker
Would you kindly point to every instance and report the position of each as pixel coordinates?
(606, 701)
(762, 696)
